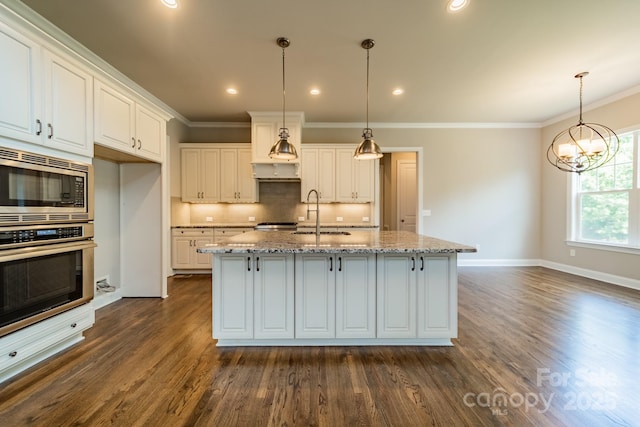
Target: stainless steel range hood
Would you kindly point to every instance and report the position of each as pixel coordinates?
(276, 171)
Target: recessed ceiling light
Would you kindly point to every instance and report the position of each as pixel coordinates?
(398, 91)
(456, 5)
(314, 91)
(232, 91)
(170, 3)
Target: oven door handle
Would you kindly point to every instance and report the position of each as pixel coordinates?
(43, 250)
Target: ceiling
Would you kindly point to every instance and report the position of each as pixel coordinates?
(497, 61)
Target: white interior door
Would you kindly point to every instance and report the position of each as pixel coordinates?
(406, 195)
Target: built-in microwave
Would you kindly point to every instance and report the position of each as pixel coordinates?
(37, 189)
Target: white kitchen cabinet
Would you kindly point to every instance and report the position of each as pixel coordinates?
(273, 287)
(233, 296)
(265, 127)
(417, 296)
(46, 99)
(396, 295)
(356, 296)
(315, 281)
(237, 184)
(225, 233)
(243, 283)
(354, 178)
(127, 126)
(437, 297)
(318, 167)
(28, 346)
(200, 174)
(184, 245)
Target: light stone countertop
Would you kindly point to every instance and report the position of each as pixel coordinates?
(355, 242)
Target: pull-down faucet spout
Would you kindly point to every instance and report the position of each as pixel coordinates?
(317, 210)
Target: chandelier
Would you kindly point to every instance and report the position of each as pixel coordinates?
(583, 147)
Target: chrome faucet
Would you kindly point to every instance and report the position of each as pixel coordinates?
(317, 211)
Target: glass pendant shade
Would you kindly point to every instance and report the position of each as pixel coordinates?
(583, 147)
(283, 149)
(367, 149)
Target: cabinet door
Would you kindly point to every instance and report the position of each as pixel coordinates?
(344, 176)
(246, 184)
(114, 117)
(228, 175)
(209, 175)
(355, 296)
(309, 171)
(273, 296)
(149, 134)
(20, 107)
(326, 182)
(396, 296)
(232, 296)
(363, 179)
(263, 136)
(68, 106)
(190, 175)
(437, 298)
(201, 260)
(181, 250)
(315, 296)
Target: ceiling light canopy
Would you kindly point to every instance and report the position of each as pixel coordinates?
(283, 149)
(367, 149)
(170, 3)
(583, 147)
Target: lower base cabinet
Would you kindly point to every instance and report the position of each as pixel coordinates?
(334, 298)
(417, 296)
(253, 296)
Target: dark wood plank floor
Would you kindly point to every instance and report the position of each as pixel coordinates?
(536, 347)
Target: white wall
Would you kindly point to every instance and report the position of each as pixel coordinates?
(107, 220)
(618, 115)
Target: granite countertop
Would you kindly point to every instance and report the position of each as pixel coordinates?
(355, 242)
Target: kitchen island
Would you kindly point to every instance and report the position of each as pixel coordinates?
(338, 288)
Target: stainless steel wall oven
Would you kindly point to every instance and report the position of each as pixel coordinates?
(46, 237)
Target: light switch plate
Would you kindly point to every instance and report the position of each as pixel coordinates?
(209, 219)
(300, 218)
(365, 219)
(339, 218)
(252, 218)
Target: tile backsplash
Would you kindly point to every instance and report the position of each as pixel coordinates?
(279, 201)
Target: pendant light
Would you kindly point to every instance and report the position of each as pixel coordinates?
(367, 149)
(583, 147)
(283, 149)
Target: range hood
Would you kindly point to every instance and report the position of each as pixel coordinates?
(276, 171)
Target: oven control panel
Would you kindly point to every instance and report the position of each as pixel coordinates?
(12, 237)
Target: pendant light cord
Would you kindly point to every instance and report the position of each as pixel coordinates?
(283, 91)
(367, 89)
(580, 121)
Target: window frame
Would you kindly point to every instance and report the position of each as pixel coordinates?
(574, 211)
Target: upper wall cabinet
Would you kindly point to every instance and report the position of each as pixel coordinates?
(265, 127)
(214, 173)
(46, 99)
(318, 173)
(124, 125)
(354, 178)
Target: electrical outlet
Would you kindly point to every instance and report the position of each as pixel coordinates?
(339, 218)
(572, 252)
(301, 218)
(252, 218)
(209, 219)
(365, 219)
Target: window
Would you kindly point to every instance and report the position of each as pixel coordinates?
(606, 206)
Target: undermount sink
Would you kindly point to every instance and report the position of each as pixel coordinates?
(334, 233)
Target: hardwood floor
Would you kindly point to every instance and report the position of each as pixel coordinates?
(536, 347)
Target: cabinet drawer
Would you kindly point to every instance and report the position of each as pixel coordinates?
(192, 232)
(28, 342)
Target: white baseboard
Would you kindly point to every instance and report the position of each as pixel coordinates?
(627, 282)
(101, 299)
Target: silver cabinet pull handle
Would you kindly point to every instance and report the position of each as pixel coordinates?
(39, 123)
(50, 127)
